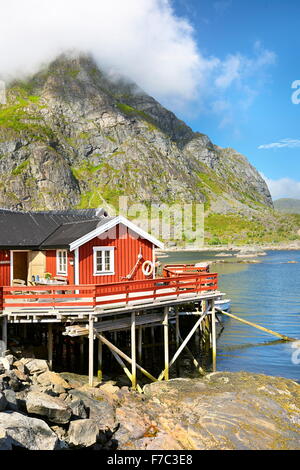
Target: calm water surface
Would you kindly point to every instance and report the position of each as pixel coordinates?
(268, 294)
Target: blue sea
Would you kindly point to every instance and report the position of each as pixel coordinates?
(268, 294)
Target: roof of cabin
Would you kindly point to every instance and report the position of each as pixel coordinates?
(34, 230)
(58, 229)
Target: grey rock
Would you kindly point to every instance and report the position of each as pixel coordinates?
(102, 412)
(79, 409)
(83, 432)
(3, 401)
(29, 433)
(36, 366)
(52, 408)
(11, 398)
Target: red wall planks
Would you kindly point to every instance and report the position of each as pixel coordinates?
(51, 265)
(4, 268)
(127, 249)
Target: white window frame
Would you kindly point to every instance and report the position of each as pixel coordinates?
(111, 249)
(58, 270)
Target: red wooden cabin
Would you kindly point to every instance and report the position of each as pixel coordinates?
(82, 247)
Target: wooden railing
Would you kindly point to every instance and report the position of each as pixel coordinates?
(92, 295)
(171, 270)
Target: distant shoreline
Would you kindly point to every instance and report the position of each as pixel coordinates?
(291, 246)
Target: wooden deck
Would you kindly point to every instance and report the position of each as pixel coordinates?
(57, 303)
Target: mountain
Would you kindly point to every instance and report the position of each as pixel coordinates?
(73, 135)
(287, 205)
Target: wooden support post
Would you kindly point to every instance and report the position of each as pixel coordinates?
(259, 327)
(177, 337)
(91, 352)
(166, 342)
(128, 359)
(185, 342)
(213, 335)
(4, 336)
(100, 361)
(50, 346)
(177, 328)
(133, 351)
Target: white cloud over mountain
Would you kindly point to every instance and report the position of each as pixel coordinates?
(283, 187)
(142, 39)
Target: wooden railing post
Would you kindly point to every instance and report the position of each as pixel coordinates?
(1, 298)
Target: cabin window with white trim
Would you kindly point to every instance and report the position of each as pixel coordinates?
(61, 262)
(104, 260)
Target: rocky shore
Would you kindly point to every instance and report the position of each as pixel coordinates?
(289, 246)
(42, 410)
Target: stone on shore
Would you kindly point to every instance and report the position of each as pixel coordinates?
(52, 408)
(36, 366)
(83, 432)
(22, 431)
(3, 401)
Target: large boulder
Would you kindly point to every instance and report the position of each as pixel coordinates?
(100, 410)
(52, 408)
(83, 433)
(51, 378)
(36, 366)
(21, 431)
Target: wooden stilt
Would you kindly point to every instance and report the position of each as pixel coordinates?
(195, 362)
(91, 352)
(133, 351)
(185, 342)
(213, 335)
(3, 347)
(50, 346)
(177, 339)
(112, 347)
(166, 342)
(100, 359)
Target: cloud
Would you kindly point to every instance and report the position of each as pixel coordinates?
(283, 187)
(284, 143)
(141, 39)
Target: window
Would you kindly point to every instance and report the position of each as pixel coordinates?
(103, 260)
(61, 262)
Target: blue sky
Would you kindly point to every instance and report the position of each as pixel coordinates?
(255, 108)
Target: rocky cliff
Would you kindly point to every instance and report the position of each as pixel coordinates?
(73, 136)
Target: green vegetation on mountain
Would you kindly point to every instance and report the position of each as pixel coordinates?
(71, 136)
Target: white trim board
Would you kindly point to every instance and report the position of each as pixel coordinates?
(111, 224)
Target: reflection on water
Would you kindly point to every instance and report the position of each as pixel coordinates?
(267, 293)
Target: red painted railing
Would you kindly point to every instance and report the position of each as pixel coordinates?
(171, 270)
(106, 294)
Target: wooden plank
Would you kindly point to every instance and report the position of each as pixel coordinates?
(213, 336)
(133, 351)
(166, 342)
(91, 352)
